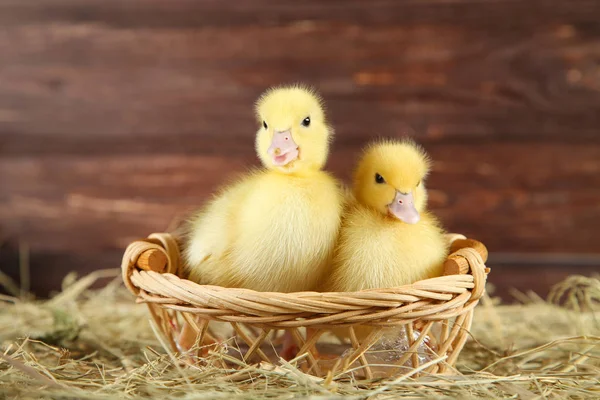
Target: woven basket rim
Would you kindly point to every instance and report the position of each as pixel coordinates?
(437, 298)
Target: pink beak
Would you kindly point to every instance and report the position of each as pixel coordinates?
(283, 149)
(403, 208)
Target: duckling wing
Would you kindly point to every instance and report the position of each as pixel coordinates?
(210, 233)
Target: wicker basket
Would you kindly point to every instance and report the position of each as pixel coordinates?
(435, 313)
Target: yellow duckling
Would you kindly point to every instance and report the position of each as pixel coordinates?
(275, 229)
(388, 238)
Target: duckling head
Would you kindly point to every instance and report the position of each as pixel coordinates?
(293, 133)
(390, 179)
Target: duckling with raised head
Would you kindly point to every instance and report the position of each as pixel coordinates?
(275, 228)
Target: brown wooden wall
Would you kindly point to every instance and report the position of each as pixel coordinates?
(116, 115)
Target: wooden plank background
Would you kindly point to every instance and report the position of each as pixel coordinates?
(116, 115)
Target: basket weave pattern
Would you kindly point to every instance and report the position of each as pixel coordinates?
(182, 308)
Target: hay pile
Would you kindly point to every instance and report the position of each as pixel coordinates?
(99, 344)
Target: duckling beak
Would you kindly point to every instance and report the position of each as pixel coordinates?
(403, 208)
(283, 149)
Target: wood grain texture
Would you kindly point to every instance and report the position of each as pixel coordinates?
(458, 69)
(117, 116)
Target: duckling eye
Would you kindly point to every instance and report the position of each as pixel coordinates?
(265, 124)
(306, 121)
(379, 178)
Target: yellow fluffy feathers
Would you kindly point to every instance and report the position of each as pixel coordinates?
(387, 237)
(275, 229)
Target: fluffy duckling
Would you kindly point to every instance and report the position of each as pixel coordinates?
(275, 229)
(388, 238)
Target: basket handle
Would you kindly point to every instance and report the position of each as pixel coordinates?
(152, 260)
(457, 264)
(159, 253)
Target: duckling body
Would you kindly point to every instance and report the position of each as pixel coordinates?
(270, 232)
(376, 251)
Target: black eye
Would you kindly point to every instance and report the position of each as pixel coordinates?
(306, 121)
(379, 178)
(265, 124)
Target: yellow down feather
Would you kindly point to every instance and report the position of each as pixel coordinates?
(375, 249)
(275, 228)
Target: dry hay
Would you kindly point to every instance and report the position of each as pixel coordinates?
(87, 343)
